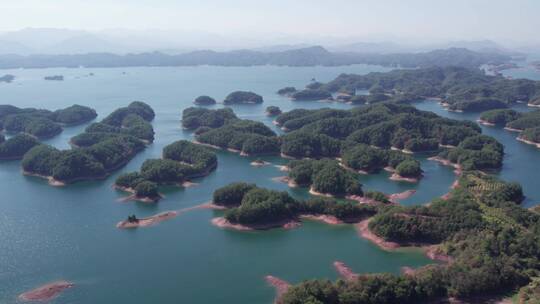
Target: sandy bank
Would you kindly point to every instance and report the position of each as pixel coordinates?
(512, 129)
(528, 142)
(148, 221)
(221, 222)
(280, 285)
(435, 253)
(259, 163)
(327, 219)
(458, 170)
(314, 192)
(364, 232)
(364, 172)
(399, 178)
(285, 179)
(533, 105)
(408, 271)
(485, 123)
(283, 168)
(401, 196)
(345, 271)
(46, 292)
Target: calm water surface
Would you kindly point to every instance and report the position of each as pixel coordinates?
(69, 233)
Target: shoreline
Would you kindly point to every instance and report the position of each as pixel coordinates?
(528, 142)
(287, 180)
(485, 123)
(512, 129)
(223, 223)
(46, 292)
(457, 167)
(394, 197)
(147, 221)
(280, 285)
(345, 271)
(399, 178)
(134, 197)
(364, 232)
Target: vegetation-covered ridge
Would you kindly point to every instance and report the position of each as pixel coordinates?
(458, 88)
(363, 136)
(528, 124)
(310, 56)
(42, 123)
(493, 242)
(182, 160)
(222, 129)
(259, 208)
(103, 148)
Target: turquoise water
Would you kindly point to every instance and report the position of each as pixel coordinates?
(69, 233)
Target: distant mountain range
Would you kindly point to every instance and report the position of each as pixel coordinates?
(310, 56)
(51, 41)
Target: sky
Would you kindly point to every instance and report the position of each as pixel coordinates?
(501, 20)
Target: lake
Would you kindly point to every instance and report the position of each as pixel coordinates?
(69, 233)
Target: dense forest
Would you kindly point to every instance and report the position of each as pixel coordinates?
(42, 123)
(250, 205)
(363, 136)
(182, 160)
(310, 56)
(528, 124)
(493, 244)
(103, 148)
(459, 88)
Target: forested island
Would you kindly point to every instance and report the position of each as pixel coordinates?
(527, 124)
(273, 111)
(251, 207)
(103, 148)
(383, 127)
(490, 244)
(54, 78)
(243, 97)
(8, 78)
(365, 139)
(310, 56)
(42, 123)
(457, 88)
(182, 161)
(204, 100)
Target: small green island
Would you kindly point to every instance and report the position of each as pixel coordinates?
(8, 78)
(526, 124)
(252, 208)
(54, 77)
(273, 111)
(204, 101)
(42, 123)
(286, 91)
(181, 162)
(243, 97)
(103, 148)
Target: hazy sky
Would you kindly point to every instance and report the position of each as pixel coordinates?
(501, 20)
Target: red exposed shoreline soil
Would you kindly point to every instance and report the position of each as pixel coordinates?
(364, 232)
(401, 196)
(221, 222)
(148, 221)
(280, 285)
(46, 292)
(345, 272)
(528, 142)
(327, 219)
